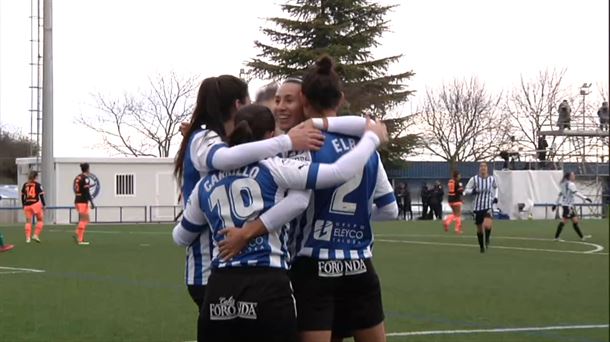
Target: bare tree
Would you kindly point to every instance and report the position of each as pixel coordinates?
(144, 124)
(462, 122)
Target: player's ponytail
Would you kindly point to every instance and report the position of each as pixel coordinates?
(215, 105)
(322, 86)
(565, 178)
(252, 123)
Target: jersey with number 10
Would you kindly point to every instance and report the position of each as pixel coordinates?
(231, 198)
(337, 224)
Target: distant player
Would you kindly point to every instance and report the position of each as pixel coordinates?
(82, 197)
(32, 199)
(485, 189)
(566, 201)
(455, 191)
(4, 247)
(256, 279)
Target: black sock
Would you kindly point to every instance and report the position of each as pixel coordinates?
(480, 237)
(487, 235)
(559, 228)
(577, 229)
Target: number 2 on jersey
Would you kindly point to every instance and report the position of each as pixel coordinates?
(338, 204)
(243, 199)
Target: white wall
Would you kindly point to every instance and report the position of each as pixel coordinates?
(154, 184)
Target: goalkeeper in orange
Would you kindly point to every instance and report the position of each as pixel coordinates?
(456, 189)
(32, 199)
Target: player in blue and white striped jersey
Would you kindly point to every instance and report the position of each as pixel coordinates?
(565, 199)
(485, 189)
(335, 285)
(203, 150)
(227, 199)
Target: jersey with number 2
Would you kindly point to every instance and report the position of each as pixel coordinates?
(337, 223)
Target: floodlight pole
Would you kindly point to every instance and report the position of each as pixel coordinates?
(48, 162)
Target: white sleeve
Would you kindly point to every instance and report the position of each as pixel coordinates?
(469, 187)
(495, 187)
(218, 156)
(193, 221)
(292, 174)
(348, 125)
(385, 213)
(384, 193)
(285, 210)
(573, 188)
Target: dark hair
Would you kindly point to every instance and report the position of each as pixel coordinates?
(455, 174)
(321, 84)
(266, 93)
(566, 177)
(252, 122)
(215, 104)
(33, 174)
(84, 167)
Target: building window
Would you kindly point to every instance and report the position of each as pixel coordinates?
(124, 185)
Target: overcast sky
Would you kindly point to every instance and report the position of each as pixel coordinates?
(114, 45)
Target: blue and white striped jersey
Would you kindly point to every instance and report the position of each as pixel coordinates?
(485, 190)
(337, 224)
(198, 253)
(231, 198)
(567, 192)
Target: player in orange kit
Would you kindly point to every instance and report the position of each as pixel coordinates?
(455, 202)
(82, 197)
(32, 199)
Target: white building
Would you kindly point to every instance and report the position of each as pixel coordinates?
(128, 189)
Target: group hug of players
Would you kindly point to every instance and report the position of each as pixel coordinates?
(277, 220)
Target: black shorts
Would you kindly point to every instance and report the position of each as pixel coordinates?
(568, 212)
(337, 295)
(248, 304)
(480, 215)
(197, 293)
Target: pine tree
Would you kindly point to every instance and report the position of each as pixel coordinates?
(347, 30)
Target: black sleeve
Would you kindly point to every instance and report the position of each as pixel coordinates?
(23, 195)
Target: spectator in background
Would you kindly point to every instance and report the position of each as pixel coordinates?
(406, 202)
(425, 201)
(436, 201)
(398, 193)
(604, 116)
(542, 146)
(564, 111)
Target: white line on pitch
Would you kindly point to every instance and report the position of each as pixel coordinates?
(17, 269)
(494, 246)
(495, 330)
(498, 330)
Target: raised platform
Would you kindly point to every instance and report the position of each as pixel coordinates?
(576, 133)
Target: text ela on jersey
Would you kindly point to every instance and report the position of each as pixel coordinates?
(343, 144)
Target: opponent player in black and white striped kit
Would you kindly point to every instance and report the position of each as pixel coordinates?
(485, 189)
(566, 201)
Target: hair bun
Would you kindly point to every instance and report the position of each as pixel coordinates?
(325, 64)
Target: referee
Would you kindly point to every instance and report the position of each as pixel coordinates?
(485, 189)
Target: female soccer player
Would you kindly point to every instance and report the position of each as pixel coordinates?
(203, 150)
(32, 199)
(249, 296)
(335, 285)
(485, 189)
(566, 201)
(456, 190)
(82, 198)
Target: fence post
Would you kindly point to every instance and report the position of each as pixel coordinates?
(121, 214)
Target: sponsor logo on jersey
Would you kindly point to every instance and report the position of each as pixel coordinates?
(229, 308)
(322, 230)
(339, 268)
